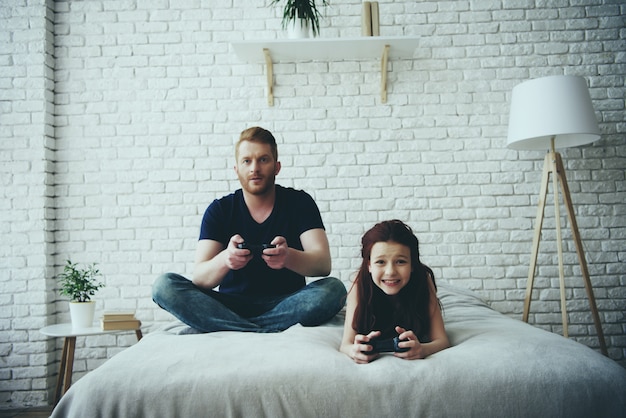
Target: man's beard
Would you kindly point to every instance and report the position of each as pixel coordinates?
(264, 187)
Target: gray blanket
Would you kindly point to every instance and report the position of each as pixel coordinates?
(497, 367)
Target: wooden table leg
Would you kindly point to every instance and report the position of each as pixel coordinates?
(69, 365)
(61, 375)
(64, 379)
(138, 334)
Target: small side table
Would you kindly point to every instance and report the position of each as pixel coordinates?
(64, 380)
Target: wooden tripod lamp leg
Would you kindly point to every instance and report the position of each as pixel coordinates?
(580, 252)
(537, 237)
(559, 241)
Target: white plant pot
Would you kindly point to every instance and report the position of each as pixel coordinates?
(298, 29)
(82, 314)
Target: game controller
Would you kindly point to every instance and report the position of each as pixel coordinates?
(255, 249)
(386, 346)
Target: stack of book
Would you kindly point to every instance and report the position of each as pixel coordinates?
(119, 321)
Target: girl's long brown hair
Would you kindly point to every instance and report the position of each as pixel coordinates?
(410, 308)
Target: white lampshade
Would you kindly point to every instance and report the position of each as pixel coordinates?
(547, 107)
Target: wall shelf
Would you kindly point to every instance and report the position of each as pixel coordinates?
(326, 49)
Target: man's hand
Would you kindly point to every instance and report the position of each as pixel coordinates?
(276, 258)
(213, 261)
(312, 261)
(236, 258)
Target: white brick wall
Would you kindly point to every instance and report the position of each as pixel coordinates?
(149, 98)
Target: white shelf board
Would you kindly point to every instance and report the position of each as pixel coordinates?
(326, 49)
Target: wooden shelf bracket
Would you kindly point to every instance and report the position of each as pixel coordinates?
(270, 76)
(383, 74)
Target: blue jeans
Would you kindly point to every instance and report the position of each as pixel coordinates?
(210, 311)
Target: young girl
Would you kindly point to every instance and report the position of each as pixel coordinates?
(394, 294)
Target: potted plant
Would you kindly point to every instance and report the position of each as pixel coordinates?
(298, 15)
(80, 284)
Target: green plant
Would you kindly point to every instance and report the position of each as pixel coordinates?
(301, 9)
(79, 284)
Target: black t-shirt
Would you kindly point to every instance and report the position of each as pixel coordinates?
(294, 212)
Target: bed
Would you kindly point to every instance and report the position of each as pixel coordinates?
(497, 367)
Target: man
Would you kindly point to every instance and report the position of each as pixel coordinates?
(260, 289)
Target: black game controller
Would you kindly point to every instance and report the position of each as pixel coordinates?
(386, 346)
(255, 249)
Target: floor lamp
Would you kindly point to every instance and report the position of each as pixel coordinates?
(549, 113)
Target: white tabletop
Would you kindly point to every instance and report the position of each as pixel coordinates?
(66, 330)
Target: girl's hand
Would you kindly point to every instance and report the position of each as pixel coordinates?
(361, 345)
(415, 347)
